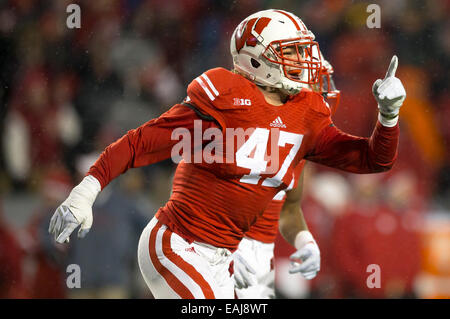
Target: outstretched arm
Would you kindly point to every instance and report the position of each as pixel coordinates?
(148, 144)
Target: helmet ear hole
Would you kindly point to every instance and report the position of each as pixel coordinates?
(255, 63)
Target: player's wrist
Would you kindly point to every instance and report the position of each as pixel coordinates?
(90, 187)
(388, 120)
(302, 238)
(84, 193)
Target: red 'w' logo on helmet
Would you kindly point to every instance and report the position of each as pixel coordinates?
(245, 36)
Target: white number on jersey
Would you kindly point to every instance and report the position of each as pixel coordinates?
(257, 164)
(258, 141)
(280, 195)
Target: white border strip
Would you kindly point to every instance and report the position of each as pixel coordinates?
(190, 284)
(205, 88)
(210, 84)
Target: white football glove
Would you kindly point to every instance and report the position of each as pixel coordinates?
(244, 274)
(75, 210)
(390, 95)
(306, 260)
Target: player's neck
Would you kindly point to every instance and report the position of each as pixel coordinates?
(273, 96)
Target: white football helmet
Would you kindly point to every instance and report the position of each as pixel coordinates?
(258, 45)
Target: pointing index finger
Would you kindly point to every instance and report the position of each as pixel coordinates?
(392, 67)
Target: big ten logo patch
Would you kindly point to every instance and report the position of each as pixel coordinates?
(237, 101)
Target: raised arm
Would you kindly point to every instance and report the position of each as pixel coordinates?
(366, 155)
(355, 154)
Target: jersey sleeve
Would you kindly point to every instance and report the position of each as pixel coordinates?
(355, 154)
(150, 143)
(210, 94)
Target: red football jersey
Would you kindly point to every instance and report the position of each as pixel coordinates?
(231, 196)
(266, 226)
(216, 203)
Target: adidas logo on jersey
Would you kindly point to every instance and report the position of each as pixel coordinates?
(237, 101)
(277, 123)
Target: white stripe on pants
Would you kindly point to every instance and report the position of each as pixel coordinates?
(173, 268)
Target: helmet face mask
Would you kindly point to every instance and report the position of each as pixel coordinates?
(273, 48)
(296, 58)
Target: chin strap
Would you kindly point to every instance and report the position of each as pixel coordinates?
(291, 90)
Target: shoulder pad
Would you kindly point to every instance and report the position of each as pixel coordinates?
(318, 104)
(215, 88)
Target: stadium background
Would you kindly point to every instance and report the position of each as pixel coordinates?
(65, 94)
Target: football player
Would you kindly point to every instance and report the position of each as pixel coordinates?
(253, 269)
(185, 250)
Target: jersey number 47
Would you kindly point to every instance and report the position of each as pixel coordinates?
(257, 164)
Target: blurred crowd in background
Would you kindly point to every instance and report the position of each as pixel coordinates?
(66, 94)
